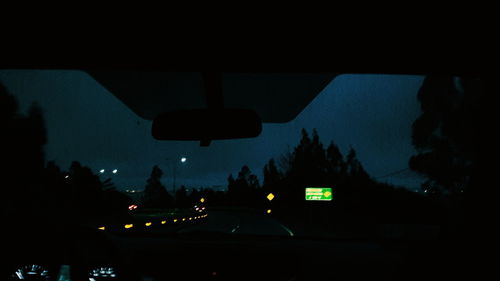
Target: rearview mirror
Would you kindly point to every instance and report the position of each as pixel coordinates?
(207, 124)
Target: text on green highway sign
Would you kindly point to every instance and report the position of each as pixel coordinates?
(318, 194)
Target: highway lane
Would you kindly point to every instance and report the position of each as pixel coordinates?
(240, 222)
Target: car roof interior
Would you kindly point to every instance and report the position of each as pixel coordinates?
(275, 97)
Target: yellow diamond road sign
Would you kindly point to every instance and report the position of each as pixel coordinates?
(270, 196)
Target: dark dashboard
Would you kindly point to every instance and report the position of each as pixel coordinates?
(89, 254)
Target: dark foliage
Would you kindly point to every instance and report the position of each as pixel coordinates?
(155, 194)
(447, 133)
(41, 191)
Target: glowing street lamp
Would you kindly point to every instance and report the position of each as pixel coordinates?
(101, 171)
(115, 171)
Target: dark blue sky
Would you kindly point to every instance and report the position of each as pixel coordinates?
(372, 113)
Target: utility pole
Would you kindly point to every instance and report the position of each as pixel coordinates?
(175, 170)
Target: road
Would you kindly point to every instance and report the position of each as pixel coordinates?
(240, 222)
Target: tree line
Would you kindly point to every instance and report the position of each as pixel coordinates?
(444, 136)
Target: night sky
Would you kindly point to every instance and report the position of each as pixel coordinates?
(371, 113)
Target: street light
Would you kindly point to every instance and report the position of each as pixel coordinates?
(101, 171)
(174, 168)
(115, 171)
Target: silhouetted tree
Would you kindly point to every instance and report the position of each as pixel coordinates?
(447, 135)
(244, 189)
(155, 194)
(194, 197)
(307, 167)
(56, 186)
(353, 166)
(86, 192)
(271, 174)
(231, 185)
(181, 197)
(335, 159)
(22, 162)
(301, 157)
(285, 161)
(336, 167)
(358, 199)
(309, 160)
(115, 202)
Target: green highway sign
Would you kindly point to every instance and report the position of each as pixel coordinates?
(318, 194)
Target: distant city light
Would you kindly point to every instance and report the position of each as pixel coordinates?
(115, 171)
(129, 225)
(148, 224)
(183, 159)
(102, 228)
(163, 222)
(101, 171)
(66, 177)
(268, 211)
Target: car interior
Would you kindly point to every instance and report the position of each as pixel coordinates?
(210, 108)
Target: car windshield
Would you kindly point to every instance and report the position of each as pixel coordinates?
(371, 155)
